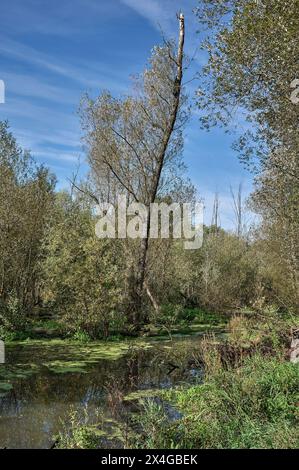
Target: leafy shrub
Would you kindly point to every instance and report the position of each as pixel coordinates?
(78, 434)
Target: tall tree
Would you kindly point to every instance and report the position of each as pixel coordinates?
(26, 194)
(135, 143)
(252, 63)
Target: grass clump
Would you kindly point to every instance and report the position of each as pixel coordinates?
(252, 406)
(78, 433)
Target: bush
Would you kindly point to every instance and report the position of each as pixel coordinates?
(11, 316)
(9, 336)
(81, 336)
(267, 331)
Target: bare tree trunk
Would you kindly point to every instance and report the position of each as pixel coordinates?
(141, 273)
(215, 217)
(238, 209)
(151, 297)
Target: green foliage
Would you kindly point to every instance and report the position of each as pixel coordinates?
(155, 424)
(26, 192)
(251, 64)
(11, 315)
(228, 272)
(204, 317)
(178, 317)
(50, 325)
(77, 434)
(170, 315)
(252, 407)
(81, 272)
(268, 331)
(81, 336)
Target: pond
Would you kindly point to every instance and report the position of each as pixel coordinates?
(43, 381)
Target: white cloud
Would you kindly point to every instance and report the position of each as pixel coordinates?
(40, 17)
(161, 12)
(28, 85)
(94, 76)
(50, 154)
(152, 10)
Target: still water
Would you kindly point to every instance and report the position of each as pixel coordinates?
(42, 381)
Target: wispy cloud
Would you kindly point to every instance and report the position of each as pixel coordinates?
(162, 16)
(50, 154)
(50, 134)
(94, 76)
(55, 18)
(51, 52)
(57, 139)
(152, 10)
(32, 86)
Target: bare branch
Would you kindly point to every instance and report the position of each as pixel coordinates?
(84, 191)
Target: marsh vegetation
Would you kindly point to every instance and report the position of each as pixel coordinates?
(138, 342)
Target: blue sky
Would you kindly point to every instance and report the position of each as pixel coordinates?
(51, 52)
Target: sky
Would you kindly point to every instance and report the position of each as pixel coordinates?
(51, 53)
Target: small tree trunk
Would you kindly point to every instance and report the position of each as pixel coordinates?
(151, 297)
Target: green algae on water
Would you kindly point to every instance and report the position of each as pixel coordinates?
(5, 386)
(141, 394)
(61, 357)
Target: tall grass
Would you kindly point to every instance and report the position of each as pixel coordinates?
(254, 406)
(249, 398)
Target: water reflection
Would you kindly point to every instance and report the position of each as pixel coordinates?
(33, 411)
